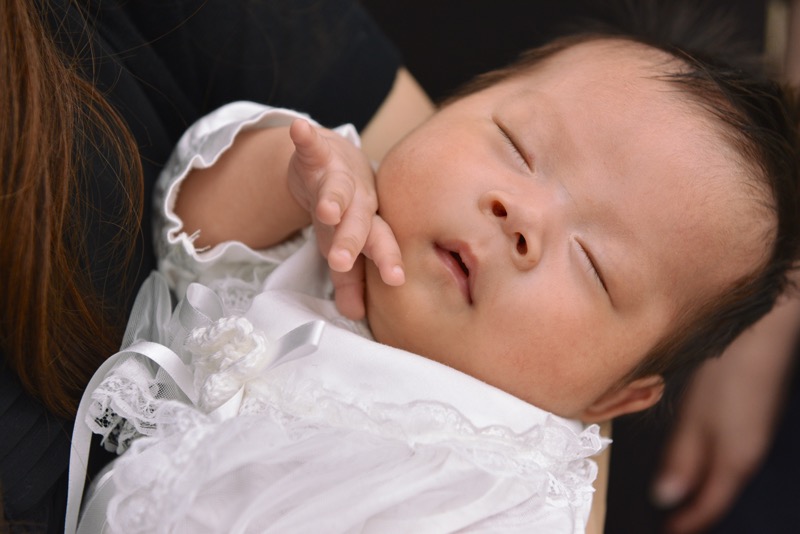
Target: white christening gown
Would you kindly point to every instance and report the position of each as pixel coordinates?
(323, 430)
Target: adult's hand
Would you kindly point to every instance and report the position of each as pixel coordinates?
(727, 421)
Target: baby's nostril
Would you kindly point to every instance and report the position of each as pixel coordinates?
(498, 210)
(522, 246)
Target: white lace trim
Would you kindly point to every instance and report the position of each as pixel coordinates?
(133, 401)
(551, 446)
(231, 355)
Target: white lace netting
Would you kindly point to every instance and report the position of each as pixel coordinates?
(134, 401)
(237, 288)
(497, 449)
(163, 477)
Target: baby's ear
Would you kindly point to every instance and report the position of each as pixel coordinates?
(635, 396)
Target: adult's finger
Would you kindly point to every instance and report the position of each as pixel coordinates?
(684, 463)
(716, 494)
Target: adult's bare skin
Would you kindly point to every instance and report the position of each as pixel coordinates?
(406, 106)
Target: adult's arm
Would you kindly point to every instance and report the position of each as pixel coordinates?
(791, 66)
(326, 58)
(406, 106)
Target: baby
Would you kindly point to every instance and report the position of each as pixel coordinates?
(567, 219)
(546, 251)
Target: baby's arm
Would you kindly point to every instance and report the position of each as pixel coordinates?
(244, 195)
(264, 188)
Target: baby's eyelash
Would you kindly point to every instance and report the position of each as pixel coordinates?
(513, 146)
(593, 266)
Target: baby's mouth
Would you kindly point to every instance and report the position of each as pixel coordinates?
(461, 263)
(458, 268)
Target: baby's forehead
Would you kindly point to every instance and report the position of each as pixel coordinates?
(614, 67)
(622, 108)
(611, 78)
(617, 77)
(624, 54)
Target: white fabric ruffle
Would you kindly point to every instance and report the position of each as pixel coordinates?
(300, 453)
(200, 147)
(277, 473)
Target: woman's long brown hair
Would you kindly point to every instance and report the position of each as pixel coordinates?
(54, 328)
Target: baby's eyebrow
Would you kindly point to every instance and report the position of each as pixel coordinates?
(546, 135)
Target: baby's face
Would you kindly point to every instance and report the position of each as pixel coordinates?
(553, 226)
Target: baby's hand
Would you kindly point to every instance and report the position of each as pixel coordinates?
(333, 180)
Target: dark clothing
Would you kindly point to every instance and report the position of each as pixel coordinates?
(162, 65)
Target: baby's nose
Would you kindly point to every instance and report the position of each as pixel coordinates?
(522, 225)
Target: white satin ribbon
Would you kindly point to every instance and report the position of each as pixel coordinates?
(200, 308)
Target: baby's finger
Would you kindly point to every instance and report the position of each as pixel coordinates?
(334, 196)
(349, 291)
(350, 237)
(311, 149)
(382, 248)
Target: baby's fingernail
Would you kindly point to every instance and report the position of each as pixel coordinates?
(398, 274)
(668, 492)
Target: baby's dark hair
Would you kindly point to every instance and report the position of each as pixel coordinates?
(755, 114)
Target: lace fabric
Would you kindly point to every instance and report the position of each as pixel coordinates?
(168, 480)
(180, 456)
(276, 441)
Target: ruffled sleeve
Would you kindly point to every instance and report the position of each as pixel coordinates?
(200, 147)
